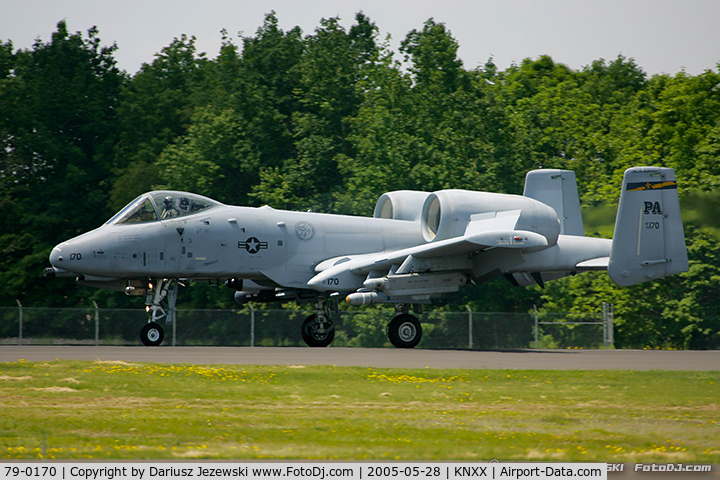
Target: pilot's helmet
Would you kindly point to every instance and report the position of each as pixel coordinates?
(168, 202)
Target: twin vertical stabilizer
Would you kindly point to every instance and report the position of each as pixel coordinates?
(649, 241)
(558, 189)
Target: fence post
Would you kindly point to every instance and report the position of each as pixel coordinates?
(97, 324)
(470, 322)
(611, 326)
(605, 324)
(537, 327)
(20, 308)
(252, 325)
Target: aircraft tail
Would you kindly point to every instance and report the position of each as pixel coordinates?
(558, 189)
(649, 241)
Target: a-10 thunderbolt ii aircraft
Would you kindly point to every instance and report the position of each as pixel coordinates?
(417, 246)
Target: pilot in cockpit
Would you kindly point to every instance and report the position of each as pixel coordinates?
(169, 210)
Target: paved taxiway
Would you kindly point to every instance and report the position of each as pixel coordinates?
(380, 357)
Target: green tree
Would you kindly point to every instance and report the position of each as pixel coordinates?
(334, 60)
(242, 123)
(156, 107)
(213, 158)
(433, 56)
(436, 127)
(58, 130)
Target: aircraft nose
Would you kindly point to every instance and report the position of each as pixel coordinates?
(56, 260)
(56, 257)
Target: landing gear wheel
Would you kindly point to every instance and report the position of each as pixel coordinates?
(317, 334)
(404, 331)
(152, 335)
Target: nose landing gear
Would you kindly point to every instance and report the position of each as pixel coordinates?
(152, 334)
(317, 329)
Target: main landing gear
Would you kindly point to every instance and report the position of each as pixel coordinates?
(404, 330)
(152, 334)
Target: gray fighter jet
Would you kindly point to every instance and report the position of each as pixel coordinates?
(417, 246)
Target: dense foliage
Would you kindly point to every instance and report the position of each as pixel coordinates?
(332, 119)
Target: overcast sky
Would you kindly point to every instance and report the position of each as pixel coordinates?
(663, 36)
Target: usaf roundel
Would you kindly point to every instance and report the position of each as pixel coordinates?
(305, 231)
(253, 245)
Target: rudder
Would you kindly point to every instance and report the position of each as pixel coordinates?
(648, 241)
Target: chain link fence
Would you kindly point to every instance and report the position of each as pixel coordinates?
(568, 330)
(253, 327)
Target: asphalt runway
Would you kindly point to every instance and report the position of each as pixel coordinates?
(381, 357)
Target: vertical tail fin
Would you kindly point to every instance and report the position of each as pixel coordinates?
(649, 241)
(558, 189)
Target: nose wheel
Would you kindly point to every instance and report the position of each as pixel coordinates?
(317, 331)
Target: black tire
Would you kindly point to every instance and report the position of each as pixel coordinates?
(404, 331)
(152, 335)
(312, 337)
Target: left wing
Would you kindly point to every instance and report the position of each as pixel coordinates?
(483, 232)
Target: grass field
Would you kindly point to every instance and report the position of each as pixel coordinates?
(117, 410)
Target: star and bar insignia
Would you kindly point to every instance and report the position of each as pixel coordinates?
(253, 245)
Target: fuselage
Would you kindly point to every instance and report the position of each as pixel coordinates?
(180, 235)
(222, 242)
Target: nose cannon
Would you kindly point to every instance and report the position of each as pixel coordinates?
(54, 272)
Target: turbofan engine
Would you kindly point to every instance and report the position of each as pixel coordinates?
(401, 205)
(446, 213)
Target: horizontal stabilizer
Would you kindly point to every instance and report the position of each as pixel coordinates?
(593, 264)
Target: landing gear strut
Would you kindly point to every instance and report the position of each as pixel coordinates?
(152, 334)
(317, 329)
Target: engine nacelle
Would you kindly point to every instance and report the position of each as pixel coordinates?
(446, 213)
(400, 205)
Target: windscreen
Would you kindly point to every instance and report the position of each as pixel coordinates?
(139, 210)
(162, 205)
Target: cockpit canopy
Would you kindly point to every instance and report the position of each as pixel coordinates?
(161, 205)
